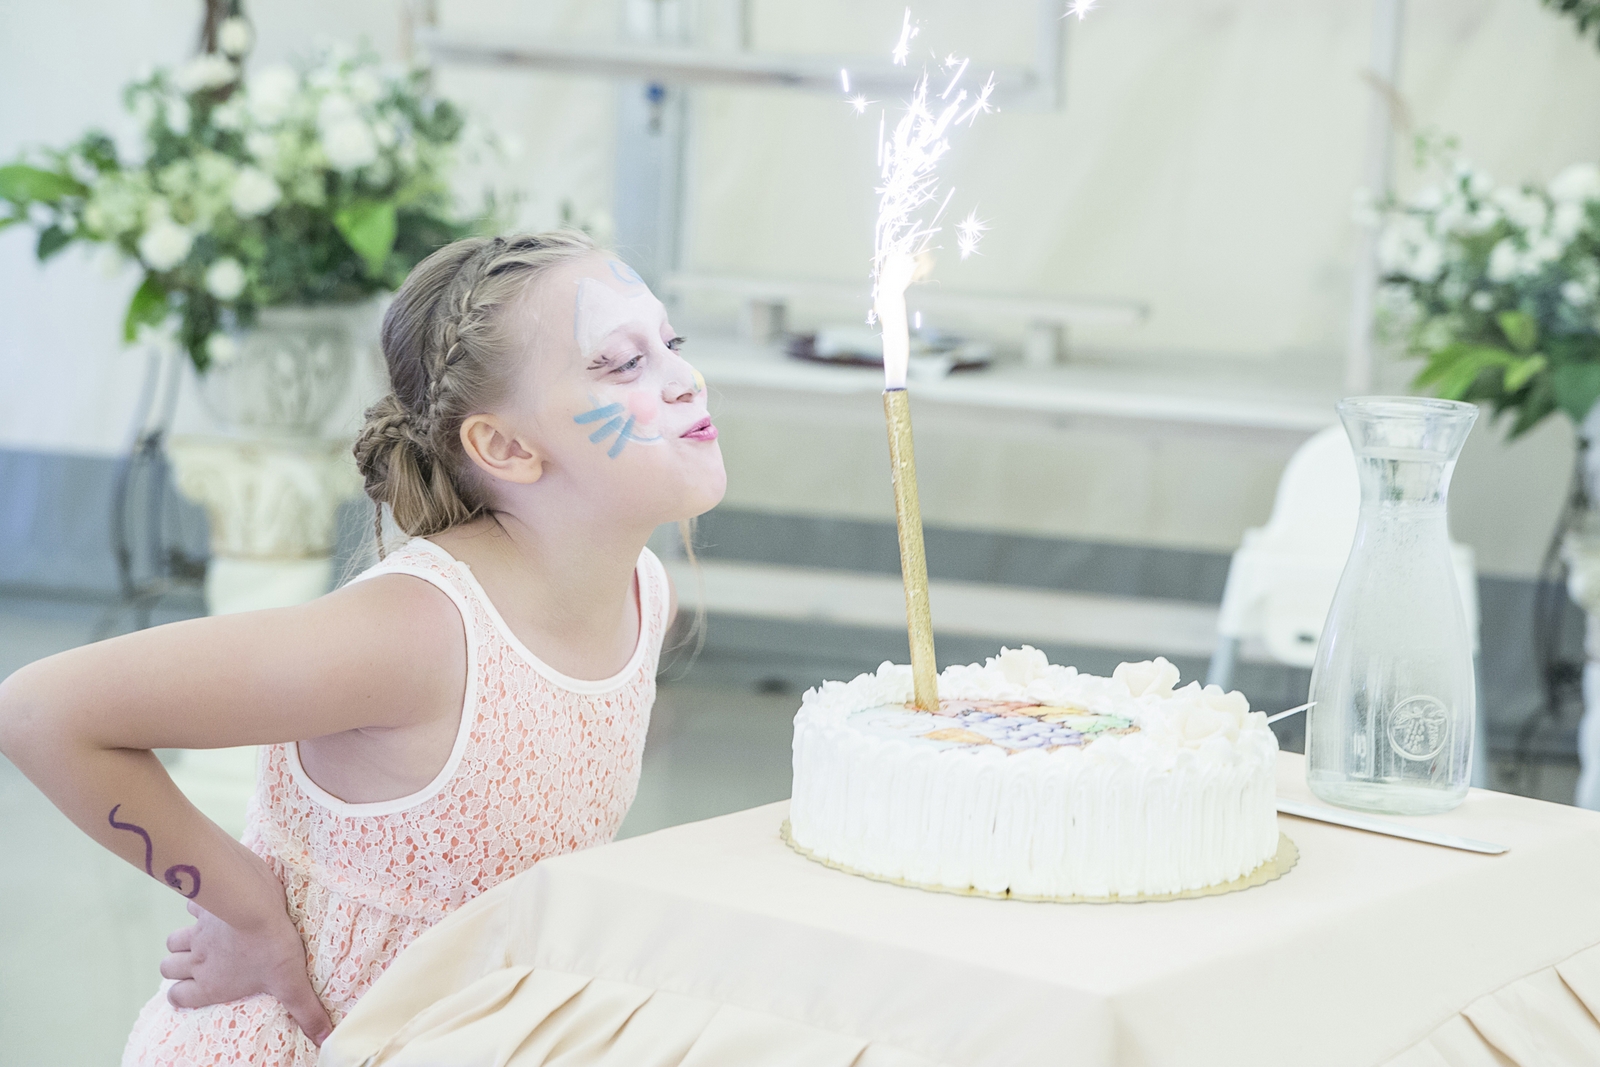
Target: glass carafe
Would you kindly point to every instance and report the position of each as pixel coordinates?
(1391, 729)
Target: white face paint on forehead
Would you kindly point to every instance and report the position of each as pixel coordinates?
(603, 306)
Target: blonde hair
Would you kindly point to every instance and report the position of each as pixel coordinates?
(448, 347)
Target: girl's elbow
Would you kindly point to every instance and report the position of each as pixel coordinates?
(23, 725)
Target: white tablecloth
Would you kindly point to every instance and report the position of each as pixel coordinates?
(713, 943)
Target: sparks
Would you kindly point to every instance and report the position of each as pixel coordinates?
(907, 31)
(860, 103)
(955, 78)
(980, 106)
(909, 202)
(1079, 8)
(844, 79)
(968, 232)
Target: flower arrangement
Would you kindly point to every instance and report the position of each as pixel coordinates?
(319, 183)
(1496, 287)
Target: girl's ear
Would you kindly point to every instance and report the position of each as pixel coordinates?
(497, 452)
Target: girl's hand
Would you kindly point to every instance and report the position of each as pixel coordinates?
(216, 963)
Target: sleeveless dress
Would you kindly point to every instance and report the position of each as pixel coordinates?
(542, 764)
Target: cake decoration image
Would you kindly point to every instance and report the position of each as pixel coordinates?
(1011, 725)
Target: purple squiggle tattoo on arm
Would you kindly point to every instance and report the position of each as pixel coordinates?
(174, 875)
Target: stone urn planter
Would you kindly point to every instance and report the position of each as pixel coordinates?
(273, 480)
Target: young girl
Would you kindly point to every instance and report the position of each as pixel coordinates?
(473, 703)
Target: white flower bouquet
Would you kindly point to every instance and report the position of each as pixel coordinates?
(320, 183)
(1496, 287)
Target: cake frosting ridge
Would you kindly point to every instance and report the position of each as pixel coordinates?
(1036, 779)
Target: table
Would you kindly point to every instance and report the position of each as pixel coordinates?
(713, 943)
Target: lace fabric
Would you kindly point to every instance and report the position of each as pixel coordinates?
(543, 764)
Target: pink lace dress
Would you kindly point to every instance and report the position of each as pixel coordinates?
(542, 764)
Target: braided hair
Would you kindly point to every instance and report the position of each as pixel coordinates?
(446, 344)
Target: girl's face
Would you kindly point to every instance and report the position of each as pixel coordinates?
(613, 409)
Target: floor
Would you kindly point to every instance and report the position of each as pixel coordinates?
(79, 919)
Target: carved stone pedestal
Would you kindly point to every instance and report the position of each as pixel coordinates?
(1583, 583)
(272, 503)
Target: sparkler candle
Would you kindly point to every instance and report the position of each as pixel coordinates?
(905, 228)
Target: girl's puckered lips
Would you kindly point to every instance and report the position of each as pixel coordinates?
(701, 431)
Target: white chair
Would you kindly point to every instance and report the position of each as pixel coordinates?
(1283, 576)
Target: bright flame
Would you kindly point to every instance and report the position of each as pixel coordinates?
(909, 204)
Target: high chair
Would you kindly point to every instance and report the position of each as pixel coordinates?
(1283, 576)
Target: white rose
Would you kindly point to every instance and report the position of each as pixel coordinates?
(165, 244)
(254, 192)
(1544, 250)
(1479, 183)
(229, 116)
(1523, 209)
(1482, 301)
(1151, 676)
(1567, 221)
(1574, 293)
(221, 349)
(1451, 215)
(209, 71)
(234, 36)
(1428, 199)
(1483, 219)
(271, 93)
(1020, 665)
(1427, 260)
(365, 86)
(349, 145)
(1198, 717)
(1503, 261)
(225, 279)
(385, 133)
(1576, 184)
(334, 109)
(263, 146)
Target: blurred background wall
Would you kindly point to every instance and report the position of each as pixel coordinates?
(1203, 162)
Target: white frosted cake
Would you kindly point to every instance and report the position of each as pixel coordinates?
(1036, 780)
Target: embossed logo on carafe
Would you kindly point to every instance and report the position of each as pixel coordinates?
(1418, 727)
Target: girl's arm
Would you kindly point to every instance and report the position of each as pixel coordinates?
(388, 652)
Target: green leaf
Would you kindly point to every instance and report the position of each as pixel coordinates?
(368, 227)
(1522, 371)
(51, 241)
(1520, 328)
(147, 308)
(22, 184)
(12, 220)
(1454, 370)
(1577, 386)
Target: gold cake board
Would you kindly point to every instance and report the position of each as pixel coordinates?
(1276, 867)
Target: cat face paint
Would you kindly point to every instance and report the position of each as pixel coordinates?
(630, 420)
(604, 309)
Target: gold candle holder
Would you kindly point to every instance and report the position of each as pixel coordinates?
(913, 558)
